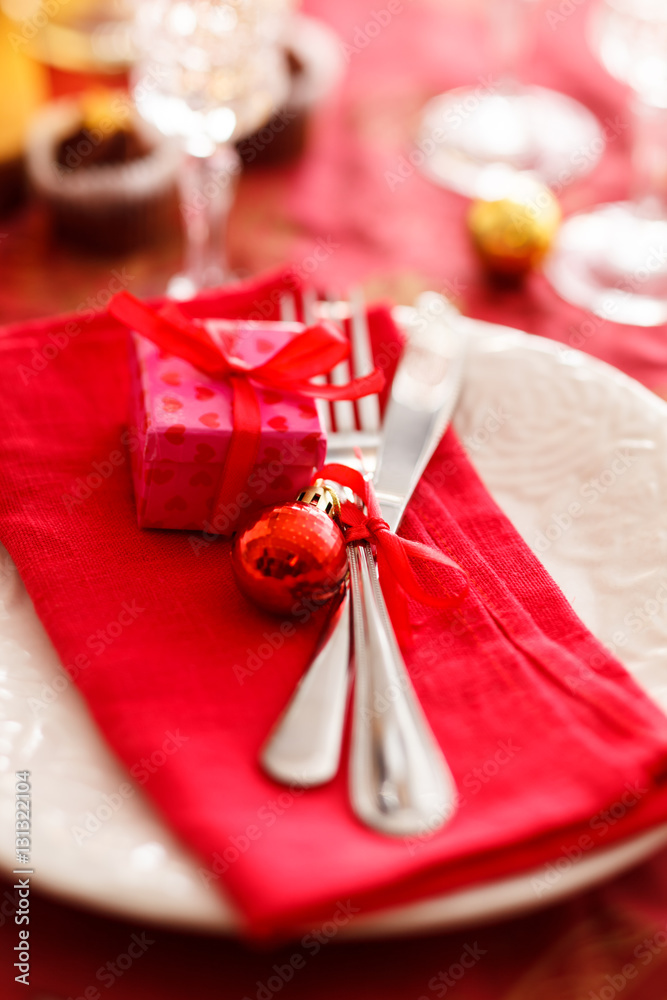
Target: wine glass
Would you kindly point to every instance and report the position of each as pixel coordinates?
(211, 72)
(612, 259)
(473, 139)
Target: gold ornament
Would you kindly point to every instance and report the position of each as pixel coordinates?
(513, 233)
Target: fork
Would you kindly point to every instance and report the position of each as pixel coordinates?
(305, 744)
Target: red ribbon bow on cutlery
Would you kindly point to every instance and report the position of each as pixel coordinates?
(393, 552)
(313, 352)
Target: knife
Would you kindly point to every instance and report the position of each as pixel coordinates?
(303, 748)
(400, 783)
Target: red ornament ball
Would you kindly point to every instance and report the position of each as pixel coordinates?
(288, 554)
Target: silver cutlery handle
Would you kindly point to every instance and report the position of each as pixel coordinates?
(304, 747)
(399, 781)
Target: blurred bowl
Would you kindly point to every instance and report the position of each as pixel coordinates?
(108, 207)
(316, 65)
(23, 87)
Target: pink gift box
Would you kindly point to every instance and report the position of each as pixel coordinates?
(183, 422)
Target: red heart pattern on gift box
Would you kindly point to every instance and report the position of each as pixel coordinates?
(159, 476)
(209, 420)
(175, 434)
(204, 453)
(171, 405)
(203, 392)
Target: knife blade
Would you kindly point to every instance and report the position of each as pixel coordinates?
(424, 394)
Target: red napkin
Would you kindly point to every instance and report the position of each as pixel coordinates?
(542, 728)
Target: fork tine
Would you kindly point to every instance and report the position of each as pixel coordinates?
(287, 308)
(309, 299)
(368, 407)
(343, 409)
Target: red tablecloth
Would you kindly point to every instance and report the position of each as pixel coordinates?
(613, 938)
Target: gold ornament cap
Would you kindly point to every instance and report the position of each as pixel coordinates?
(321, 495)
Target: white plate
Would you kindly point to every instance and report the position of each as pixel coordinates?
(546, 427)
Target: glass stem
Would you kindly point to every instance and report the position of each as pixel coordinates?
(649, 158)
(208, 185)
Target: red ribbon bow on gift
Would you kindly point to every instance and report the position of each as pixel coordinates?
(313, 352)
(393, 552)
